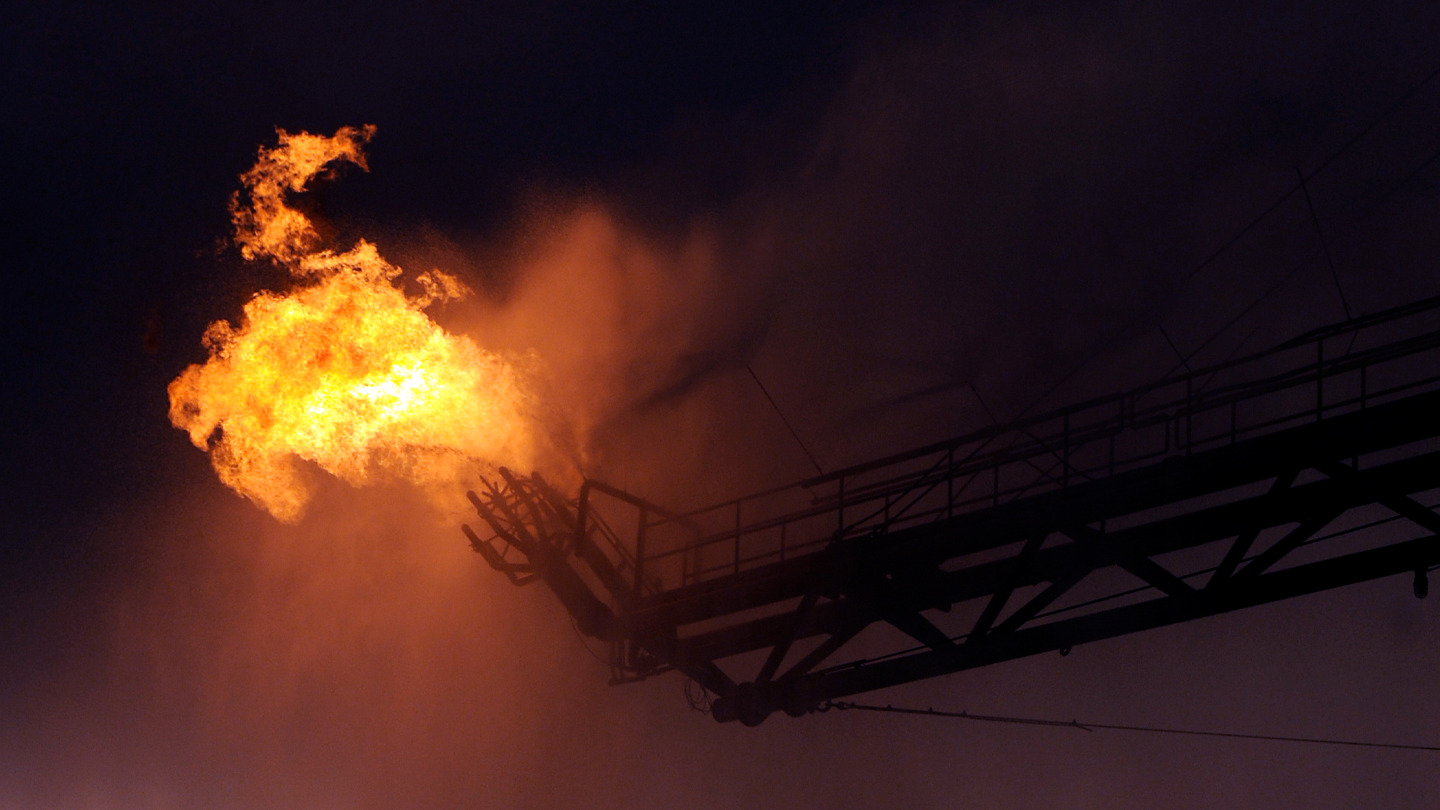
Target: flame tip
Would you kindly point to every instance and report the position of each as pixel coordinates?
(344, 371)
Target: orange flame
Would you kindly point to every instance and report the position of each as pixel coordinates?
(346, 371)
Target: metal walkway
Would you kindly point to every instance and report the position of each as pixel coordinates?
(1282, 473)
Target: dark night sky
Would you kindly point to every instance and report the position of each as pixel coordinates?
(873, 207)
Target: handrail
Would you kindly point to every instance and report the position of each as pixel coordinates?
(1051, 448)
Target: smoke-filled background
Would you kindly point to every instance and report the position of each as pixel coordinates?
(902, 220)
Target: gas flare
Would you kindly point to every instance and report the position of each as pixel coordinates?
(345, 372)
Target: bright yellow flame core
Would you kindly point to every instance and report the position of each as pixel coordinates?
(347, 371)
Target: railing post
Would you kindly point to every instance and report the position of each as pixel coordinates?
(582, 513)
(737, 536)
(1355, 459)
(1119, 428)
(1189, 414)
(950, 483)
(1065, 451)
(640, 553)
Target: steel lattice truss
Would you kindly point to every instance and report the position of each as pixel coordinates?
(1284, 473)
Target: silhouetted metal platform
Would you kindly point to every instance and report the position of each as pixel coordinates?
(1278, 474)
